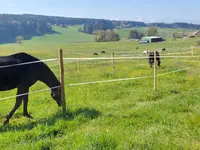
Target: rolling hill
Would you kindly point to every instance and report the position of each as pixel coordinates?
(64, 35)
(118, 115)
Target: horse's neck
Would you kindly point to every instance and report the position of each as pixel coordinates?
(48, 77)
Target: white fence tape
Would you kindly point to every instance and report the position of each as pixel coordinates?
(119, 58)
(94, 82)
(126, 79)
(180, 53)
(32, 62)
(179, 70)
(99, 58)
(34, 92)
(107, 81)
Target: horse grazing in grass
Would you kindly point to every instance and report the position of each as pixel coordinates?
(13, 75)
(151, 58)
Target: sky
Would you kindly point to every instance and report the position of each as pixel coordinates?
(134, 10)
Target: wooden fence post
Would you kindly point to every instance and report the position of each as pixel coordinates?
(113, 61)
(62, 82)
(154, 70)
(192, 49)
(78, 65)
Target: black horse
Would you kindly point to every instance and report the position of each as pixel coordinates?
(103, 52)
(13, 75)
(95, 54)
(151, 59)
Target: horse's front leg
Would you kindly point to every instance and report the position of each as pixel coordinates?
(17, 104)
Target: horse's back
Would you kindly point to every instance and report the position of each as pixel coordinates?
(10, 74)
(8, 60)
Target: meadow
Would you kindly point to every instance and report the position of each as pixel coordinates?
(119, 115)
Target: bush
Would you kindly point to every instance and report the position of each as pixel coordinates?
(134, 34)
(106, 36)
(19, 39)
(177, 35)
(152, 31)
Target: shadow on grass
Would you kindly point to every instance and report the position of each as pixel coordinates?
(11, 40)
(87, 113)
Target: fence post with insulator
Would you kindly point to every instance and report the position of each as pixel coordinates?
(154, 70)
(62, 84)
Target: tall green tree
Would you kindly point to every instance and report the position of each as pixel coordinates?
(106, 36)
(177, 35)
(19, 39)
(134, 34)
(152, 31)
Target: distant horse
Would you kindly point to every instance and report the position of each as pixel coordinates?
(103, 52)
(151, 59)
(95, 54)
(145, 52)
(23, 77)
(163, 49)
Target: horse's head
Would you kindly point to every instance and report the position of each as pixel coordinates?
(145, 52)
(56, 95)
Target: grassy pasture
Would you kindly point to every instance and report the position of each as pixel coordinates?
(118, 115)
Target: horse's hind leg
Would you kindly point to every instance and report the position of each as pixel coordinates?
(25, 111)
(158, 62)
(150, 63)
(17, 104)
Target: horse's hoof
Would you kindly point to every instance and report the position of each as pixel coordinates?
(5, 122)
(28, 116)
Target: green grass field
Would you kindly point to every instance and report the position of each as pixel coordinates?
(119, 115)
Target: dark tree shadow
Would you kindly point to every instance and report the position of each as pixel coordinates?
(26, 37)
(88, 113)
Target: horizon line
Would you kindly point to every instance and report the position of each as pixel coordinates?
(97, 18)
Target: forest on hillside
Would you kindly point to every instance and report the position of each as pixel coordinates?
(28, 25)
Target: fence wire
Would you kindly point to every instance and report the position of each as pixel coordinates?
(33, 92)
(32, 62)
(96, 82)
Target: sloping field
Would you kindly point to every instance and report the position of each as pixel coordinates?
(64, 35)
(115, 115)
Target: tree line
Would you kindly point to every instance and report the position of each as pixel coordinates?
(106, 36)
(134, 34)
(28, 25)
(175, 25)
(12, 26)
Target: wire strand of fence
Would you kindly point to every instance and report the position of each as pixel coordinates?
(126, 79)
(174, 71)
(31, 62)
(107, 81)
(99, 58)
(179, 53)
(95, 82)
(118, 58)
(190, 61)
(33, 92)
